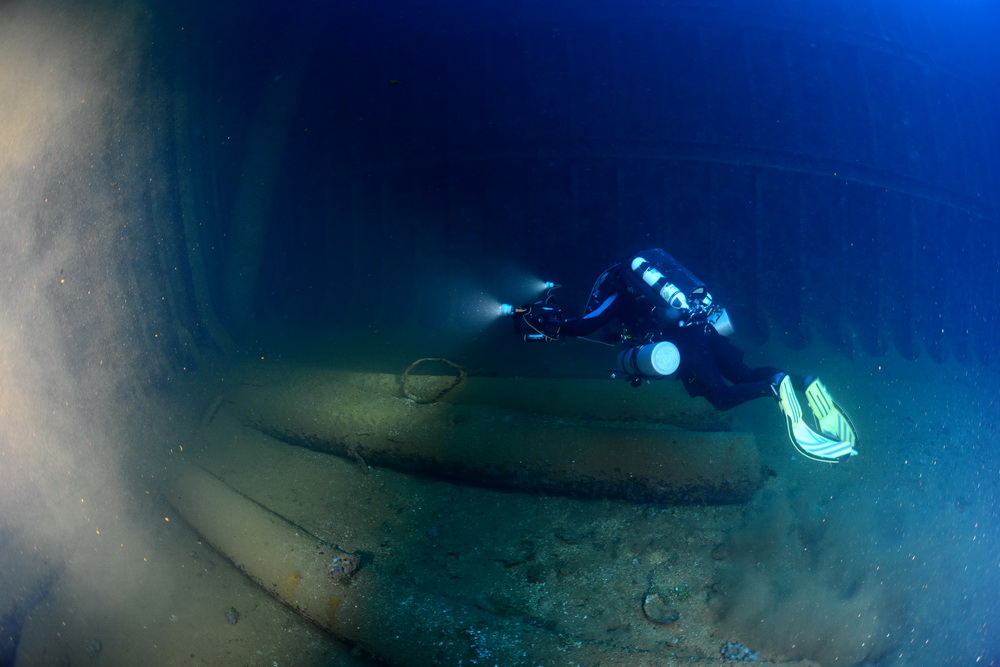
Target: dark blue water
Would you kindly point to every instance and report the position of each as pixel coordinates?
(844, 148)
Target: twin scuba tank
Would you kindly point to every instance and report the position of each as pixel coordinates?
(684, 301)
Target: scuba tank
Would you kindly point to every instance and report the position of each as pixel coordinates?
(653, 360)
(683, 298)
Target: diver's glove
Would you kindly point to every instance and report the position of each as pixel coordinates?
(538, 320)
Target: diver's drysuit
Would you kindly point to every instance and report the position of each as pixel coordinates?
(656, 299)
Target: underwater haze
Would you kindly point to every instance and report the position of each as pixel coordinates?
(228, 230)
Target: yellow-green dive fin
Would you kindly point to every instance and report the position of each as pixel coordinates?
(809, 443)
(831, 420)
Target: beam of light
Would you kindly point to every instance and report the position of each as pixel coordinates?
(477, 309)
(537, 285)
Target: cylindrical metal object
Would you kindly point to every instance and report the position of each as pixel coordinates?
(399, 626)
(362, 417)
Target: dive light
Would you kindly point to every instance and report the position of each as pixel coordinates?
(507, 310)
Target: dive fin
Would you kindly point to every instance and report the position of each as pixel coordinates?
(831, 419)
(810, 443)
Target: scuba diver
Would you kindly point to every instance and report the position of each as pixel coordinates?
(669, 326)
